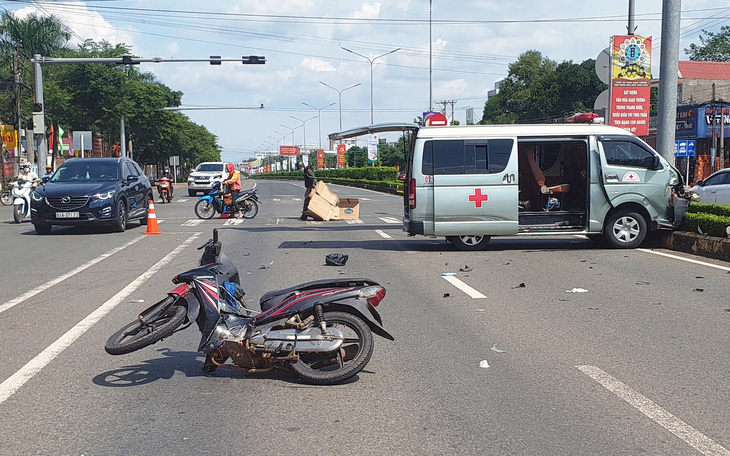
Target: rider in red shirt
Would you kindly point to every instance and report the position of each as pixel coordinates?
(234, 185)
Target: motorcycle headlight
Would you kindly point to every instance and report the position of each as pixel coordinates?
(101, 196)
(36, 196)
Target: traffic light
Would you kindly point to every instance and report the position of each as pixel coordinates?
(128, 60)
(37, 107)
(253, 60)
(215, 60)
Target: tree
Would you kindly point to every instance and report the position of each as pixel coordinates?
(714, 48)
(538, 89)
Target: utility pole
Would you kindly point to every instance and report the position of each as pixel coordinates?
(714, 124)
(631, 28)
(443, 107)
(667, 96)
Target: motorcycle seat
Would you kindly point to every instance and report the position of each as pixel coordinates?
(276, 297)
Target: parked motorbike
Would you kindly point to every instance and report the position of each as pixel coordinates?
(21, 199)
(323, 330)
(215, 202)
(7, 198)
(164, 189)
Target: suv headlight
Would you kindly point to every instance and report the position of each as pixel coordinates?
(101, 196)
(36, 196)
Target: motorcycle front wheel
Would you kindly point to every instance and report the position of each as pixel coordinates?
(249, 209)
(137, 335)
(7, 199)
(18, 214)
(347, 361)
(204, 209)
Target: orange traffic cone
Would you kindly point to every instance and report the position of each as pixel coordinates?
(152, 220)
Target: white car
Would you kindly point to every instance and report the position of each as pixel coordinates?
(201, 180)
(715, 189)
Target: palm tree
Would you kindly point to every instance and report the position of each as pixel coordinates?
(20, 39)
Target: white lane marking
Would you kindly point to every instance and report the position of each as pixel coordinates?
(184, 200)
(275, 199)
(353, 221)
(383, 234)
(689, 260)
(192, 222)
(687, 433)
(233, 221)
(18, 379)
(390, 220)
(463, 287)
(296, 199)
(59, 279)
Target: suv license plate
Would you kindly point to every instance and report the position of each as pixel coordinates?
(67, 215)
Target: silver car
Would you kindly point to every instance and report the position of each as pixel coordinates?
(715, 189)
(201, 180)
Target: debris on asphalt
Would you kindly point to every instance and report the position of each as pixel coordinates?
(483, 364)
(446, 295)
(577, 290)
(136, 300)
(336, 259)
(699, 290)
(480, 310)
(497, 350)
(563, 300)
(522, 285)
(641, 282)
(263, 266)
(448, 273)
(466, 268)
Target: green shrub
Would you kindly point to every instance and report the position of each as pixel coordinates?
(709, 224)
(716, 209)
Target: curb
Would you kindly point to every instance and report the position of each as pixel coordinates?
(697, 244)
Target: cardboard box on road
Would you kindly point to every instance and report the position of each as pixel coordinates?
(325, 205)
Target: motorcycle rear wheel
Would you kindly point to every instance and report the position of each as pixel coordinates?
(204, 209)
(136, 335)
(249, 209)
(347, 361)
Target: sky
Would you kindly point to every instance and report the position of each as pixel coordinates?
(307, 71)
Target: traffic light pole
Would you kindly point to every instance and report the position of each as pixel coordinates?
(39, 123)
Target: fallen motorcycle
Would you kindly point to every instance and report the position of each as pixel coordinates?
(218, 201)
(322, 330)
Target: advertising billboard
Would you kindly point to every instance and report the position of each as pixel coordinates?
(630, 77)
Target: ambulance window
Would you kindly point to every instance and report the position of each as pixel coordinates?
(499, 153)
(427, 162)
(449, 157)
(627, 153)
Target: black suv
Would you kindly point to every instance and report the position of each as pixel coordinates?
(91, 191)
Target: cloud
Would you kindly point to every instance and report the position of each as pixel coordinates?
(318, 65)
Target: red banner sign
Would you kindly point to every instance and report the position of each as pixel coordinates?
(320, 159)
(341, 149)
(289, 150)
(630, 92)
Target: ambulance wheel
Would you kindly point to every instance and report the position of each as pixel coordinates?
(470, 242)
(625, 229)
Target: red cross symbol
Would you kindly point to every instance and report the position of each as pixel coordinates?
(478, 198)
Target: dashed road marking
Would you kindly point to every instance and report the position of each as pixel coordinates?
(192, 222)
(671, 423)
(183, 200)
(383, 234)
(392, 220)
(28, 371)
(276, 199)
(463, 287)
(233, 221)
(353, 221)
(29, 294)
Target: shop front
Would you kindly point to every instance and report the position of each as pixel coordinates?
(703, 127)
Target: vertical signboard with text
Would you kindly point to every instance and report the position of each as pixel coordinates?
(630, 77)
(372, 148)
(341, 149)
(320, 159)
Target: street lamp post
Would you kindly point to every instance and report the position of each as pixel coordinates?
(319, 119)
(292, 132)
(372, 117)
(304, 129)
(339, 94)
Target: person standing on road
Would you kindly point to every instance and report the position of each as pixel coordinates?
(234, 186)
(310, 181)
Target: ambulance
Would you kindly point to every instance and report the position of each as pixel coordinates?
(469, 183)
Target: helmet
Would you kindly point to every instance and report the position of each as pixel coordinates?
(300, 165)
(26, 166)
(49, 168)
(166, 169)
(229, 167)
